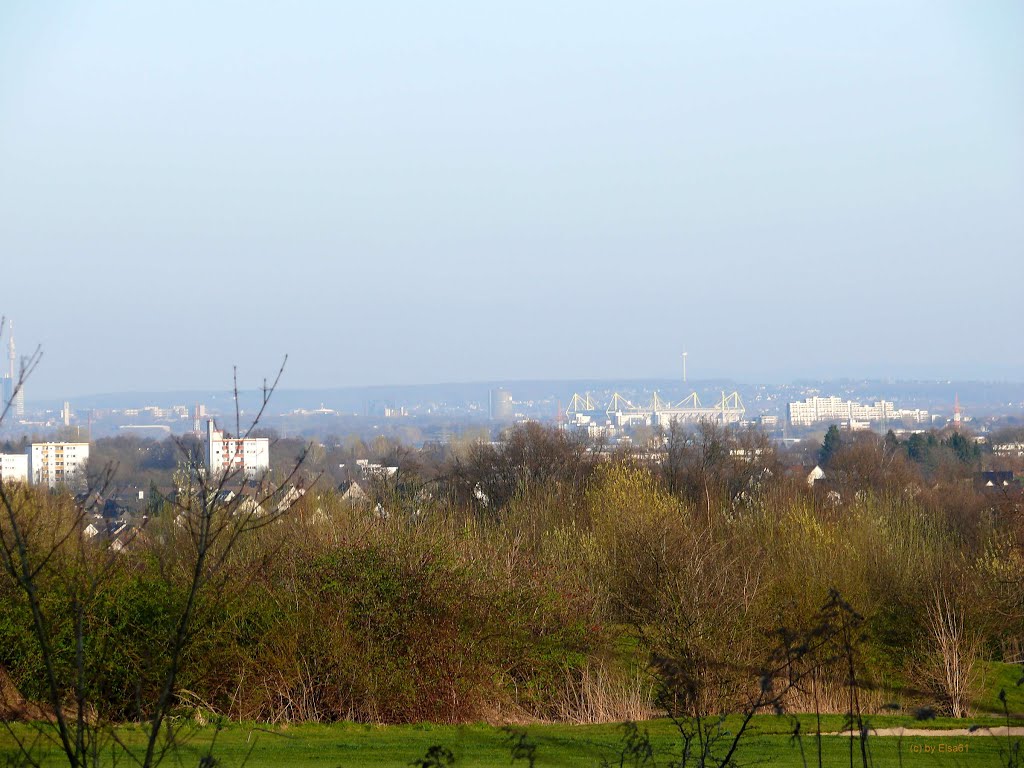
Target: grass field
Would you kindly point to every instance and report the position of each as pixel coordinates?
(347, 744)
(769, 741)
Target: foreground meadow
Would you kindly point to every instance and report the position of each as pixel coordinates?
(355, 745)
(541, 579)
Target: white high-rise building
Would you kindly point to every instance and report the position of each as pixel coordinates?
(14, 467)
(18, 401)
(814, 410)
(250, 455)
(52, 464)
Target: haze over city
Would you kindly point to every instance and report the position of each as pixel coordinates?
(398, 194)
(652, 393)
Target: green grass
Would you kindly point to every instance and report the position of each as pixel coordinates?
(347, 744)
(995, 677)
(769, 740)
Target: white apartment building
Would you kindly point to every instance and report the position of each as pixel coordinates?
(51, 464)
(249, 456)
(14, 467)
(814, 410)
(1009, 449)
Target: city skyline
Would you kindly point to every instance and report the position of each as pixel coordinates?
(251, 385)
(464, 383)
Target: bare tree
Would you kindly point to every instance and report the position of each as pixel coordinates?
(950, 666)
(44, 547)
(705, 461)
(528, 456)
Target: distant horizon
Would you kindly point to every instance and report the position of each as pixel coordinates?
(989, 375)
(511, 383)
(749, 273)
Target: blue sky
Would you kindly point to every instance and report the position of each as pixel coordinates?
(413, 192)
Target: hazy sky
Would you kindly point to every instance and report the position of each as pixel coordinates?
(418, 192)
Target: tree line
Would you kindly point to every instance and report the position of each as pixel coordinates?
(544, 575)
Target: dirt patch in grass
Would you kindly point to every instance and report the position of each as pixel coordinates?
(14, 706)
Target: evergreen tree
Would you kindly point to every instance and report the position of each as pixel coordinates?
(967, 451)
(829, 445)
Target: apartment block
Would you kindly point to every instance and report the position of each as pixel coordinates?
(815, 410)
(14, 467)
(249, 456)
(52, 464)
